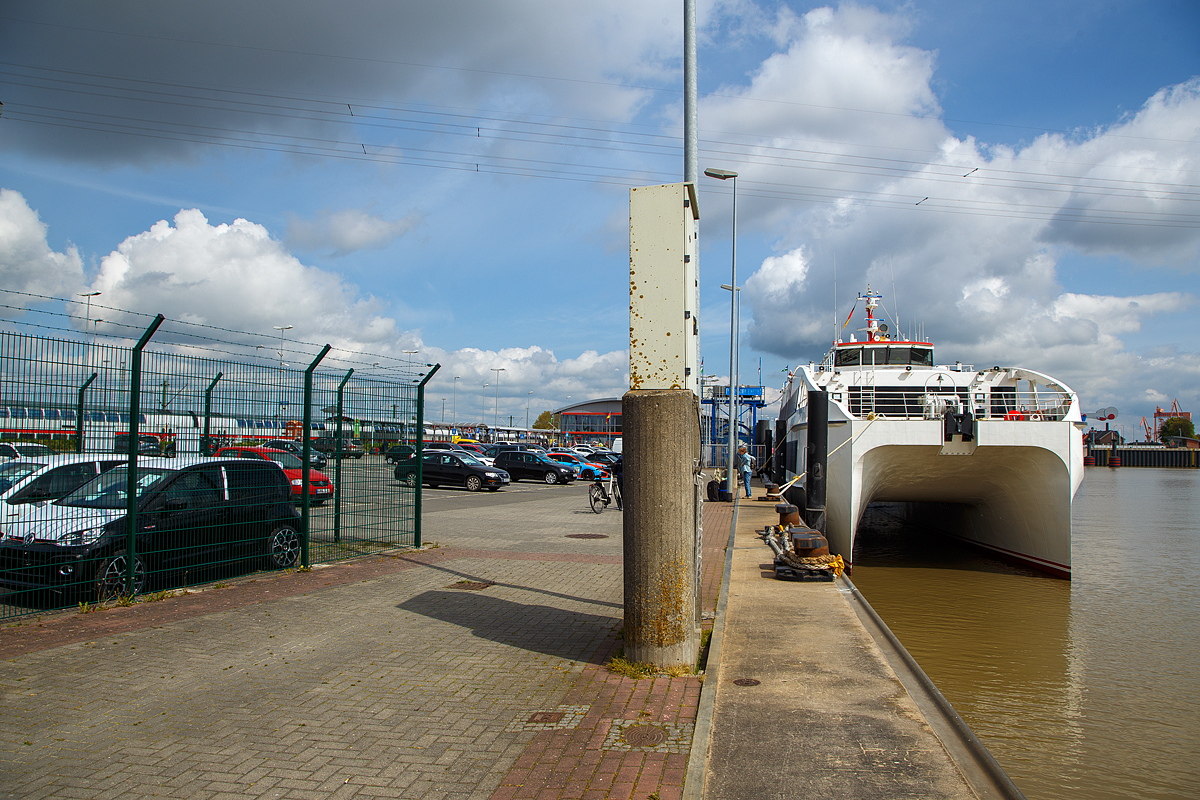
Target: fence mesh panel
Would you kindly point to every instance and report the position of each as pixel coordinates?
(219, 478)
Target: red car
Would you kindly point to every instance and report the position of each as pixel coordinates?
(319, 487)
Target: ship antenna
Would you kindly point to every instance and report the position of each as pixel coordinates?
(895, 297)
(835, 327)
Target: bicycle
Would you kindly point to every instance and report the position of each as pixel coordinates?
(600, 495)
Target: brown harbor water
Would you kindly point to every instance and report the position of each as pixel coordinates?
(1088, 688)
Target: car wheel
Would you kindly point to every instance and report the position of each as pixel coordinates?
(474, 484)
(551, 478)
(411, 480)
(284, 546)
(110, 577)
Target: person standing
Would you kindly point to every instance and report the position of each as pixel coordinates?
(746, 467)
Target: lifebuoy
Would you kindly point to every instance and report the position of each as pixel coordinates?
(1035, 417)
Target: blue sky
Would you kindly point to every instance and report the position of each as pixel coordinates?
(347, 143)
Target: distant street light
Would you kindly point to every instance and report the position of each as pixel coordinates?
(454, 403)
(87, 321)
(527, 398)
(730, 479)
(281, 329)
(497, 370)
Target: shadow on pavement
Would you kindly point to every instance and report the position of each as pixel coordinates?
(470, 576)
(543, 629)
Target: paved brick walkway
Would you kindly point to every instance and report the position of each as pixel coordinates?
(380, 678)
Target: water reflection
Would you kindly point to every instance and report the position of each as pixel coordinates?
(1085, 688)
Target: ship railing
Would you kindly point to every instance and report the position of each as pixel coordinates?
(1014, 407)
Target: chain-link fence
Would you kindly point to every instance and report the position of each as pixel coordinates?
(131, 468)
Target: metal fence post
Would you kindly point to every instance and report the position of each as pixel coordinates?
(337, 465)
(79, 414)
(306, 453)
(131, 485)
(206, 448)
(418, 453)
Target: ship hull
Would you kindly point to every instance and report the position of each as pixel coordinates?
(1011, 490)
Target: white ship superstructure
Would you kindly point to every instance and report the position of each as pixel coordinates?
(1004, 444)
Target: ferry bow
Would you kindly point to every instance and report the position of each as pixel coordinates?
(1001, 447)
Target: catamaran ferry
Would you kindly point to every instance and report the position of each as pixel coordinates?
(1000, 450)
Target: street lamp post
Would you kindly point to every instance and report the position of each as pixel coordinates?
(527, 397)
(496, 420)
(281, 329)
(730, 479)
(454, 402)
(87, 321)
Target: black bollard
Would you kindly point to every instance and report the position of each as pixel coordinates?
(815, 462)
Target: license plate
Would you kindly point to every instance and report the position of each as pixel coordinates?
(322, 491)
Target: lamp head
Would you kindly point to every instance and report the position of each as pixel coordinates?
(720, 174)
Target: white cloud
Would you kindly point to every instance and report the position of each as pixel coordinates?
(27, 263)
(343, 232)
(977, 259)
(238, 277)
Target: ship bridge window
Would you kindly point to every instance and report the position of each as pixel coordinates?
(847, 358)
(922, 357)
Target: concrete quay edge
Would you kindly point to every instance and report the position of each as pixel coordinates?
(968, 770)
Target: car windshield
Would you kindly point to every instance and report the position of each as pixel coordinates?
(14, 471)
(109, 490)
(285, 460)
(33, 450)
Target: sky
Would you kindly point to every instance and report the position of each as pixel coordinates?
(1019, 179)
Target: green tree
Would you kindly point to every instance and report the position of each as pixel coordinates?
(547, 421)
(1177, 426)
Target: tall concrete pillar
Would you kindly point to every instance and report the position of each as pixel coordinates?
(661, 446)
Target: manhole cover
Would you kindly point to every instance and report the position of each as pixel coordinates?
(470, 586)
(546, 717)
(586, 536)
(644, 736)
(747, 682)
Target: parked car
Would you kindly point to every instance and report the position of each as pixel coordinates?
(588, 470)
(525, 464)
(24, 450)
(348, 447)
(399, 452)
(320, 488)
(444, 468)
(193, 512)
(148, 445)
(316, 458)
(28, 482)
(605, 459)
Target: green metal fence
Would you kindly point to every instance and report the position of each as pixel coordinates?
(170, 457)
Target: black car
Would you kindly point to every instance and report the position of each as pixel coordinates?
(528, 464)
(316, 458)
(445, 468)
(193, 513)
(24, 450)
(148, 445)
(399, 452)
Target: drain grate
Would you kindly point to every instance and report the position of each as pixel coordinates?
(747, 682)
(586, 536)
(471, 586)
(644, 736)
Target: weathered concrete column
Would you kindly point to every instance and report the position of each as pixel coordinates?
(661, 443)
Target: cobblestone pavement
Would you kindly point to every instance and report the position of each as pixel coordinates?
(472, 670)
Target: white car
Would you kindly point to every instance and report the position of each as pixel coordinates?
(27, 483)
